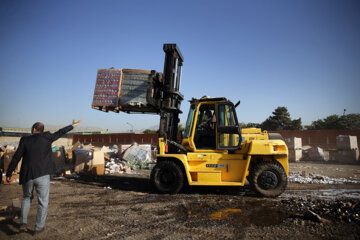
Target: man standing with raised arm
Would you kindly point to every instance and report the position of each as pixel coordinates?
(36, 167)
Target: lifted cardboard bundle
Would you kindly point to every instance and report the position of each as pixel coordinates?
(127, 90)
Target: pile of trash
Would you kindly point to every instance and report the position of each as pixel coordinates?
(117, 166)
(125, 158)
(117, 158)
(89, 159)
(317, 179)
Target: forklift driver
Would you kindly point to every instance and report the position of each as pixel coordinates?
(206, 120)
(205, 132)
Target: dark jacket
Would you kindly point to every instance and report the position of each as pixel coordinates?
(37, 155)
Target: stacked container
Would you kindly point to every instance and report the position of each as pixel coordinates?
(107, 88)
(294, 145)
(347, 149)
(136, 90)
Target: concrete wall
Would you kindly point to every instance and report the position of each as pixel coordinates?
(322, 138)
(116, 138)
(325, 139)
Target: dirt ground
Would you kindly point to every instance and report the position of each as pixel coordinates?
(125, 207)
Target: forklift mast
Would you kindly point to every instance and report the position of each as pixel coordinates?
(171, 97)
(144, 91)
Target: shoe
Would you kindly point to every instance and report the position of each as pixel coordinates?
(36, 232)
(23, 227)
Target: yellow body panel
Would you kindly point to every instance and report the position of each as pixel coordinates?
(266, 148)
(221, 168)
(212, 167)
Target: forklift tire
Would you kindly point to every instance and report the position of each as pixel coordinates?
(268, 179)
(167, 177)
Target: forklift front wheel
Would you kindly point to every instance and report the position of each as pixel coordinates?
(167, 177)
(268, 179)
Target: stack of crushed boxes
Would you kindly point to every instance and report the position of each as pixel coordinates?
(89, 159)
(79, 160)
(347, 149)
(294, 145)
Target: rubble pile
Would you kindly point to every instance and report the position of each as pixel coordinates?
(89, 159)
(125, 158)
(117, 166)
(317, 179)
(116, 158)
(137, 156)
(317, 210)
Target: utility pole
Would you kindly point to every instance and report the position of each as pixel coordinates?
(132, 127)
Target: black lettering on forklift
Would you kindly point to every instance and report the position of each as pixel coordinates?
(216, 165)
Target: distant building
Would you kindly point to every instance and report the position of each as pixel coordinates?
(8, 131)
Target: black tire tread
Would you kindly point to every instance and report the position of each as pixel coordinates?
(154, 178)
(258, 169)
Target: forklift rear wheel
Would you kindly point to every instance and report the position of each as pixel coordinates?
(268, 179)
(167, 177)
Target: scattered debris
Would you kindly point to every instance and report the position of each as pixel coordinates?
(117, 166)
(323, 211)
(317, 179)
(314, 217)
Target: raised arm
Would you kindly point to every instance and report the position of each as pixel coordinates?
(64, 130)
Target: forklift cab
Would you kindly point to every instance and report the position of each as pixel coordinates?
(211, 125)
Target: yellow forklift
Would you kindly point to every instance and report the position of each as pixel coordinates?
(213, 151)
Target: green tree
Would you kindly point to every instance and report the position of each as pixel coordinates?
(295, 124)
(352, 121)
(349, 121)
(280, 120)
(149, 131)
(250, 125)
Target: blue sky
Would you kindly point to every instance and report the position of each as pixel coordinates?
(304, 55)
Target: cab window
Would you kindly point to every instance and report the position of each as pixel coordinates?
(228, 129)
(189, 121)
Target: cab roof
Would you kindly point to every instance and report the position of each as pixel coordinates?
(207, 99)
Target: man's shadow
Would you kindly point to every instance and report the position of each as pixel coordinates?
(9, 226)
